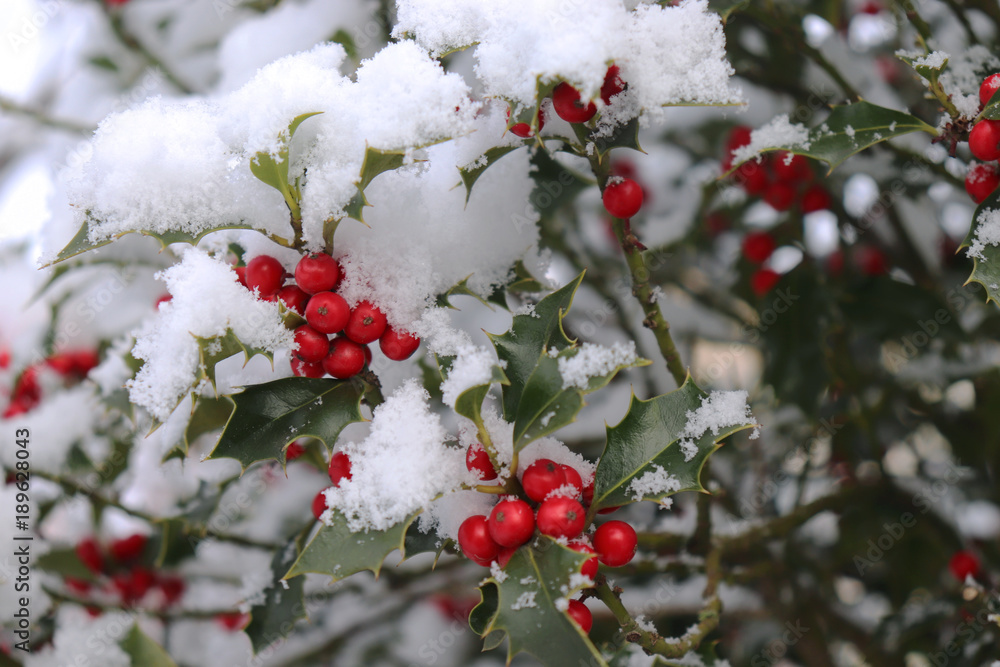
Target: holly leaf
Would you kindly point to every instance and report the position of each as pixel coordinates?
(339, 553)
(176, 543)
(269, 416)
(529, 337)
(929, 72)
(986, 259)
(209, 414)
(273, 169)
(624, 135)
(555, 185)
(470, 402)
(65, 563)
(649, 438)
(376, 162)
(219, 348)
(144, 651)
(460, 288)
(283, 604)
(726, 8)
(537, 578)
(472, 171)
(850, 129)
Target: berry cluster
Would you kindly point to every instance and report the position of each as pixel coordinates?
(339, 469)
(782, 179)
(334, 340)
(71, 365)
(120, 573)
(984, 142)
(556, 490)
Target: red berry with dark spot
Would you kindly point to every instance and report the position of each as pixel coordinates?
(511, 523)
(89, 553)
(590, 566)
(128, 549)
(319, 504)
(475, 542)
(366, 323)
(988, 87)
(327, 312)
(568, 105)
(339, 468)
(815, 198)
(561, 517)
(307, 369)
(615, 543)
(311, 345)
(294, 299)
(613, 84)
(981, 180)
(984, 140)
(581, 615)
(317, 273)
(963, 564)
(542, 478)
(758, 246)
(622, 197)
(478, 461)
(763, 281)
(265, 274)
(398, 345)
(790, 167)
(345, 360)
(780, 196)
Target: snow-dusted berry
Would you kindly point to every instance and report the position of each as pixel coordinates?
(988, 87)
(265, 274)
(478, 461)
(398, 345)
(319, 504)
(294, 299)
(366, 323)
(569, 106)
(613, 84)
(542, 478)
(581, 615)
(622, 197)
(590, 566)
(981, 180)
(307, 369)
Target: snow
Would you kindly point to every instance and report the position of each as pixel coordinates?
(780, 132)
(667, 55)
(719, 410)
(961, 79)
(207, 300)
(592, 360)
(987, 234)
(654, 482)
(525, 600)
(934, 60)
(401, 467)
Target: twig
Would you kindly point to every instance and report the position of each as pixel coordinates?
(10, 106)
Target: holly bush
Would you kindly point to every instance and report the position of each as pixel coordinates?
(475, 333)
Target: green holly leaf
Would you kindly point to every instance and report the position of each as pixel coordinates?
(472, 171)
(219, 348)
(176, 543)
(209, 414)
(339, 553)
(992, 108)
(273, 169)
(929, 73)
(536, 577)
(283, 604)
(625, 135)
(144, 651)
(648, 438)
(470, 402)
(726, 8)
(985, 269)
(529, 337)
(852, 128)
(376, 162)
(64, 563)
(555, 185)
(460, 288)
(269, 416)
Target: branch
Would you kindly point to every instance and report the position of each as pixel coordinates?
(134, 44)
(42, 118)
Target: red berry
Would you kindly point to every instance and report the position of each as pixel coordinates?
(319, 504)
(317, 273)
(398, 345)
(4, 357)
(964, 564)
(368, 354)
(142, 581)
(835, 263)
(613, 84)
(511, 523)
(339, 468)
(542, 478)
(780, 196)
(478, 461)
(981, 181)
(327, 312)
(561, 517)
(294, 298)
(871, 261)
(815, 198)
(475, 542)
(127, 549)
(984, 140)
(752, 175)
(265, 274)
(77, 586)
(572, 478)
(615, 543)
(622, 197)
(716, 223)
(523, 130)
(172, 589)
(311, 345)
(166, 298)
(763, 281)
(568, 105)
(294, 451)
(988, 87)
(739, 136)
(790, 167)
(590, 565)
(307, 369)
(758, 246)
(366, 324)
(581, 615)
(506, 553)
(89, 553)
(233, 620)
(346, 359)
